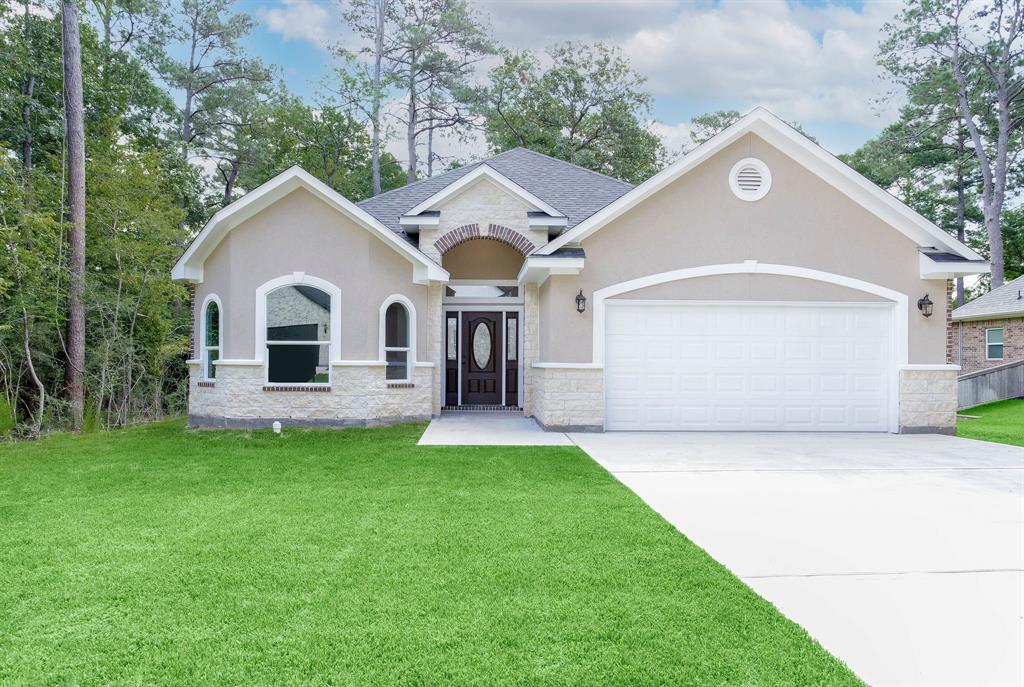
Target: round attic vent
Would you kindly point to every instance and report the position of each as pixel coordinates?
(750, 179)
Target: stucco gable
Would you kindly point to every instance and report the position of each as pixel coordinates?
(795, 145)
(190, 266)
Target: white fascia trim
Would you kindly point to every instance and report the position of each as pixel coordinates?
(548, 221)
(988, 316)
(930, 269)
(190, 266)
(483, 172)
(927, 367)
(812, 156)
(537, 268)
(295, 279)
(419, 221)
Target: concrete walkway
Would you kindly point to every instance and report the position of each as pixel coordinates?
(902, 555)
(489, 429)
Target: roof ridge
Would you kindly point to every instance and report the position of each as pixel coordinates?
(420, 181)
(566, 162)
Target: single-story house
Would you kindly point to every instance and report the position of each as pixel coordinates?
(989, 330)
(758, 283)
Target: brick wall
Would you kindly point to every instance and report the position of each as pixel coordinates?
(950, 334)
(971, 343)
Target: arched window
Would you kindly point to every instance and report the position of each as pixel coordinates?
(298, 335)
(398, 336)
(210, 345)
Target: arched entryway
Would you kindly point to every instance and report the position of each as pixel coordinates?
(483, 315)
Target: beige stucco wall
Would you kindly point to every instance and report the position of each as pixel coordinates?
(482, 259)
(803, 221)
(300, 233)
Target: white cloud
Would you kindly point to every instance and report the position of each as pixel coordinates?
(538, 23)
(302, 20)
(807, 64)
(675, 137)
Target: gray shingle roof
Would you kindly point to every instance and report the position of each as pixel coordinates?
(1008, 299)
(574, 191)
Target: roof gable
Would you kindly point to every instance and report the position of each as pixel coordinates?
(572, 191)
(478, 174)
(1006, 301)
(805, 152)
(190, 265)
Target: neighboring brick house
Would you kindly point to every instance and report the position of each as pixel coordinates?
(989, 331)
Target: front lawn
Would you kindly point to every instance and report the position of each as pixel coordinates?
(1002, 421)
(159, 556)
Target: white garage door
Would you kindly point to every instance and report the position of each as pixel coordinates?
(757, 367)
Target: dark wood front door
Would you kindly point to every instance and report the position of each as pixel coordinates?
(481, 358)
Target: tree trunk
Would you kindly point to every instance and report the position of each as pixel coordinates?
(37, 417)
(378, 56)
(26, 105)
(410, 132)
(186, 122)
(430, 150)
(229, 182)
(75, 137)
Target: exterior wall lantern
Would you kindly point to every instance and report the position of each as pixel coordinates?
(581, 302)
(925, 305)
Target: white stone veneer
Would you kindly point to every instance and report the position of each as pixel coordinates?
(359, 395)
(928, 400)
(568, 398)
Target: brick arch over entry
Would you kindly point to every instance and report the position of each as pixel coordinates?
(495, 232)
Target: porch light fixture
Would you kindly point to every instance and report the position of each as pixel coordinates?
(925, 305)
(581, 302)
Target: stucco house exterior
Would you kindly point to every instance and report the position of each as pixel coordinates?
(758, 283)
(989, 331)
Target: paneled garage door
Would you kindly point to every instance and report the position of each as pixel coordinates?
(756, 367)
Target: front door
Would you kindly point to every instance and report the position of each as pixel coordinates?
(481, 358)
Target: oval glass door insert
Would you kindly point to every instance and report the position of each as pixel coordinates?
(482, 345)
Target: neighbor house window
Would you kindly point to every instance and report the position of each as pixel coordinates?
(398, 337)
(994, 343)
(211, 338)
(298, 335)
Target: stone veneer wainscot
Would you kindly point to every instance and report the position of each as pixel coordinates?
(358, 396)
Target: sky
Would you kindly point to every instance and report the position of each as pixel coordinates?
(811, 62)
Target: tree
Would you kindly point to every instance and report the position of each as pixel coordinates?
(327, 141)
(364, 88)
(981, 47)
(587, 109)
(74, 126)
(433, 49)
(216, 59)
(238, 117)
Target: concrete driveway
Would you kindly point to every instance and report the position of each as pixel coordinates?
(902, 555)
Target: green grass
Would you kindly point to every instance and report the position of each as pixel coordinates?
(1002, 421)
(160, 556)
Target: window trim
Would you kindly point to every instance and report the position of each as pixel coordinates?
(204, 347)
(382, 349)
(334, 345)
(989, 344)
